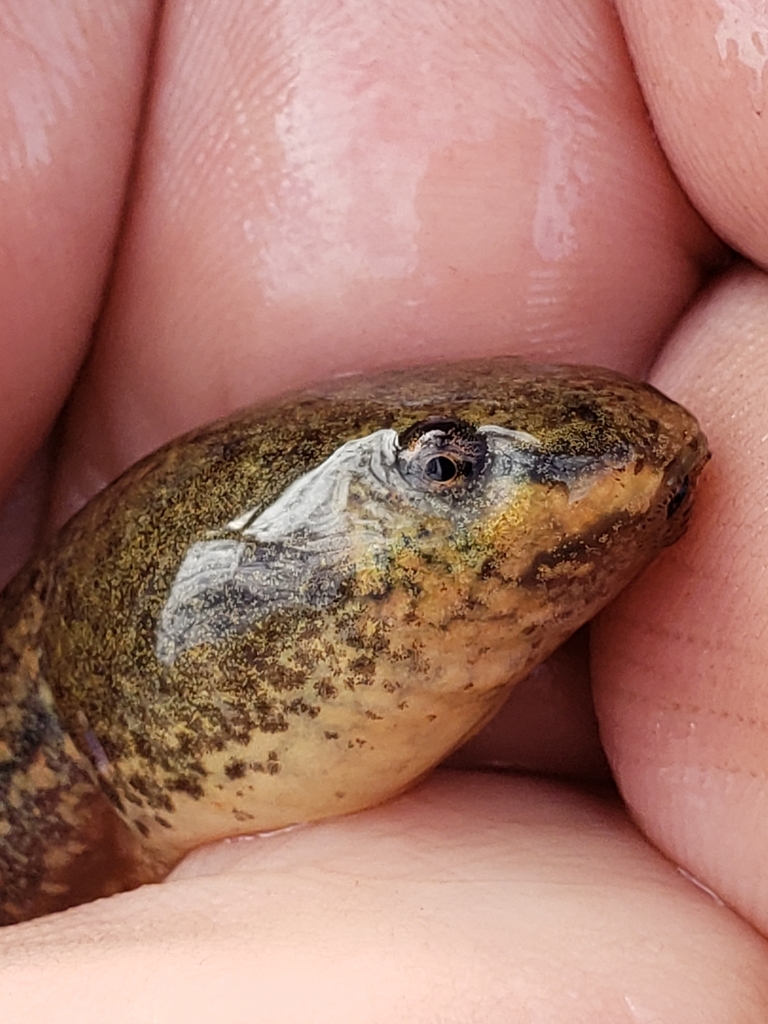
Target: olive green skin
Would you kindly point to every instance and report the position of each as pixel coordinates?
(167, 678)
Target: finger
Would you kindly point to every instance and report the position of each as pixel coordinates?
(471, 899)
(679, 660)
(702, 70)
(20, 516)
(328, 189)
(71, 77)
(547, 723)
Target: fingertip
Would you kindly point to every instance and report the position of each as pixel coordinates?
(679, 660)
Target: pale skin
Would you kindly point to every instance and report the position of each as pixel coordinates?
(338, 188)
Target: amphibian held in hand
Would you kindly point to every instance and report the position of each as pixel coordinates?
(299, 610)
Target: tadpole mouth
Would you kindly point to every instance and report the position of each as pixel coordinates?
(690, 461)
(680, 481)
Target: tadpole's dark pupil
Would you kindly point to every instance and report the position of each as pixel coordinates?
(441, 469)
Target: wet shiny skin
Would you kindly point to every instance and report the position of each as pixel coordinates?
(297, 611)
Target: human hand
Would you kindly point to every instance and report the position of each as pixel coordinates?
(322, 189)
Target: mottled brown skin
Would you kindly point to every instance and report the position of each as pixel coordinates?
(168, 678)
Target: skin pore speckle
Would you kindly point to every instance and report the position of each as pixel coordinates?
(299, 610)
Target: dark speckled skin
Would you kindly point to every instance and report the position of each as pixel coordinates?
(201, 653)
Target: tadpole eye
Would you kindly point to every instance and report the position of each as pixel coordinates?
(441, 454)
(441, 469)
(678, 497)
